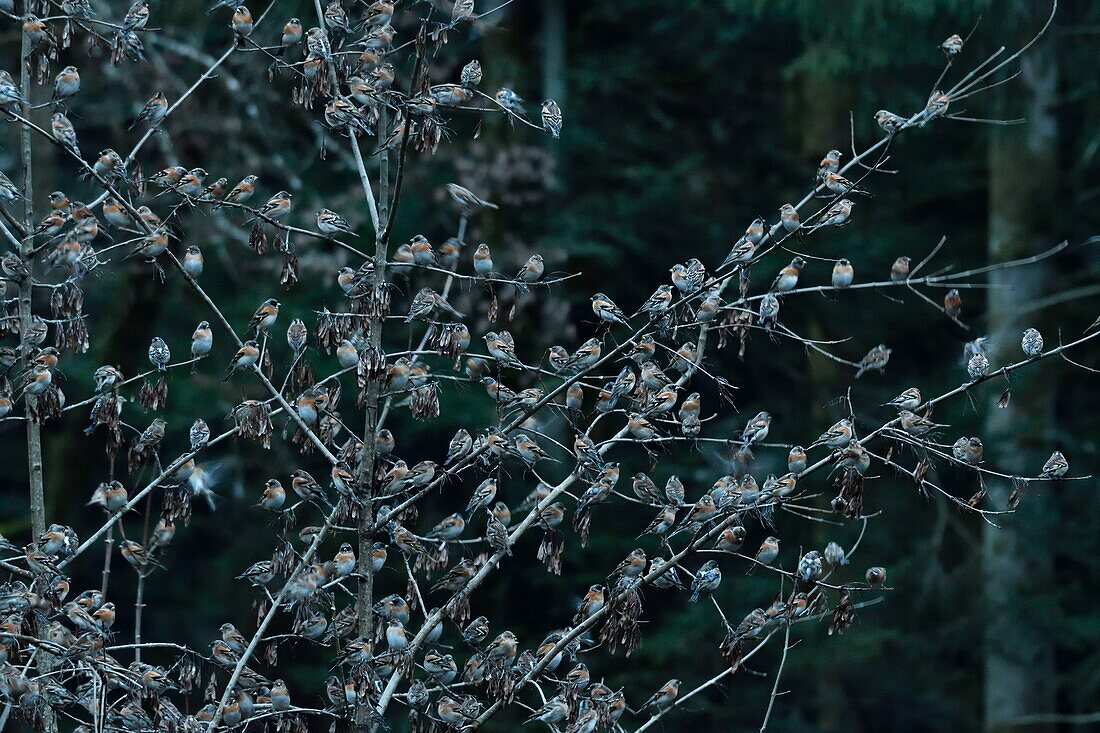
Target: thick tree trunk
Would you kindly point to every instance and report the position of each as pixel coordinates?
(1018, 658)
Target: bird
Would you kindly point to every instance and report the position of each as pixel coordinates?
(551, 118)
(64, 132)
(843, 273)
(246, 356)
(952, 46)
(264, 317)
(606, 310)
(874, 360)
(915, 424)
(829, 164)
(766, 555)
(706, 580)
(242, 22)
(952, 303)
(899, 271)
(1055, 467)
(664, 697)
(787, 279)
(910, 399)
(840, 185)
(890, 123)
(152, 112)
(1032, 343)
(276, 207)
(756, 429)
(330, 223)
(159, 354)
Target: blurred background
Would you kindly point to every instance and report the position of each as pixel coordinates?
(683, 121)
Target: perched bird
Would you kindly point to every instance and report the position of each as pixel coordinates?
(840, 185)
(952, 303)
(977, 367)
(153, 112)
(242, 22)
(890, 123)
(330, 223)
(64, 132)
(843, 273)
(606, 310)
(810, 566)
(199, 435)
(756, 429)
(471, 74)
(66, 83)
(766, 555)
(276, 207)
(264, 317)
(837, 436)
(910, 399)
(246, 356)
(1032, 343)
(915, 424)
(875, 576)
(899, 271)
(706, 580)
(787, 279)
(789, 218)
(159, 354)
(829, 164)
(551, 117)
(968, 450)
(874, 360)
(952, 46)
(664, 697)
(1056, 466)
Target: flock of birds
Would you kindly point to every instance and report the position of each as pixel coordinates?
(76, 630)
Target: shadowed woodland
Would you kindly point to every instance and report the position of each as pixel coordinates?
(726, 366)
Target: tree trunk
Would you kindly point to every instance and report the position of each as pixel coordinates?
(1018, 657)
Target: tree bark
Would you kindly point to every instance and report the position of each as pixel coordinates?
(1018, 657)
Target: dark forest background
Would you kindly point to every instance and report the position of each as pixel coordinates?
(683, 121)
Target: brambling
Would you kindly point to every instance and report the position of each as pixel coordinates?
(756, 429)
(116, 214)
(669, 575)
(658, 303)
(202, 340)
(952, 303)
(936, 106)
(683, 280)
(645, 489)
(554, 710)
(496, 534)
(810, 567)
(910, 399)
(483, 496)
(664, 697)
(136, 17)
(9, 90)
(969, 450)
(330, 223)
(532, 270)
(280, 697)
(829, 164)
(789, 218)
(384, 442)
(662, 522)
(449, 528)
(509, 101)
(199, 434)
(742, 251)
(952, 46)
(50, 226)
(1032, 343)
(551, 517)
(459, 447)
(291, 36)
(585, 356)
(451, 95)
(66, 83)
(463, 10)
(38, 30)
(503, 648)
(483, 260)
(152, 112)
(874, 360)
(246, 357)
(662, 400)
(422, 251)
(840, 185)
(10, 193)
(64, 132)
(731, 539)
(501, 347)
(346, 354)
(586, 722)
(916, 424)
(377, 14)
(977, 367)
(709, 306)
(843, 273)
(242, 192)
(899, 271)
(551, 118)
(159, 354)
(593, 601)
(606, 310)
(838, 215)
(706, 580)
(273, 496)
(1056, 466)
(215, 190)
(471, 74)
(632, 565)
(890, 123)
(168, 177)
(192, 183)
(276, 207)
(335, 17)
(837, 436)
(875, 576)
(192, 261)
(264, 317)
(242, 22)
(425, 302)
(766, 555)
(787, 279)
